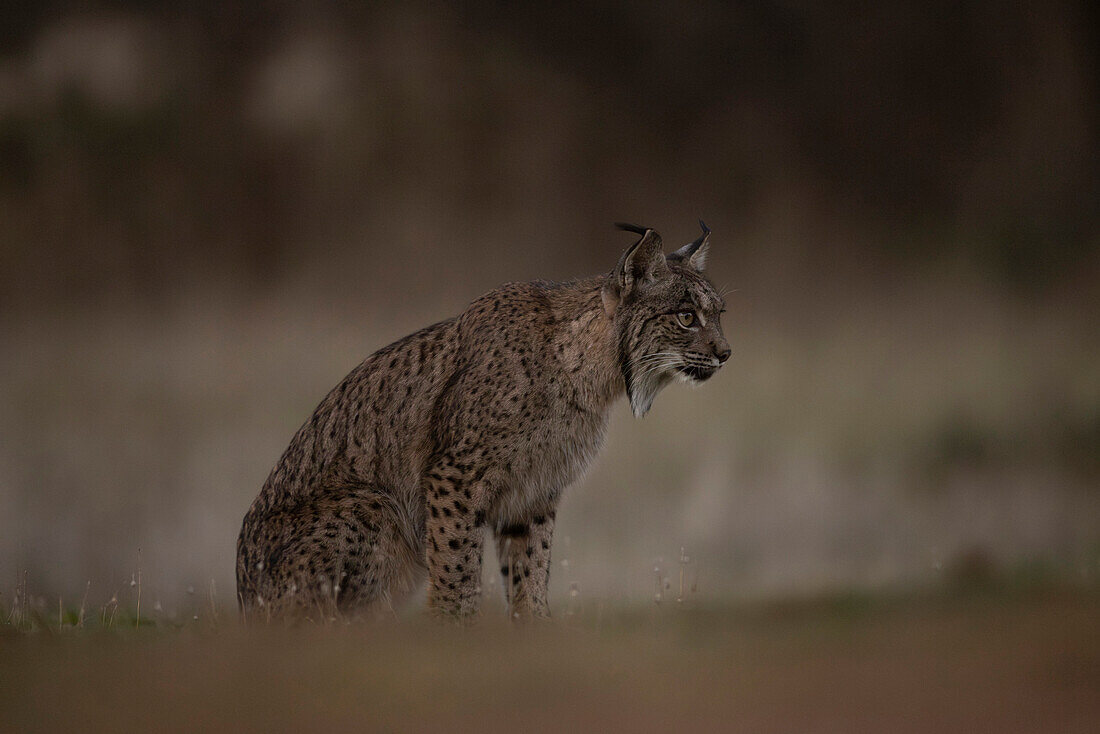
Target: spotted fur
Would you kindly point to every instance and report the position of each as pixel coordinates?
(473, 425)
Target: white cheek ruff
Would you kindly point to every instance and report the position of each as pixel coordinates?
(686, 378)
(644, 391)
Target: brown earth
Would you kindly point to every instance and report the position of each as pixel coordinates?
(996, 662)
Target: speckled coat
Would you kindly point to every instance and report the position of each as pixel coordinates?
(473, 425)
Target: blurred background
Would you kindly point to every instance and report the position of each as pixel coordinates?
(209, 213)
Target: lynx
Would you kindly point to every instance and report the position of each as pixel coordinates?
(473, 424)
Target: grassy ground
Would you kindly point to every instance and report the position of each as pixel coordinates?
(998, 662)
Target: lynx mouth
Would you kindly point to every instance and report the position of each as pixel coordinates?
(697, 373)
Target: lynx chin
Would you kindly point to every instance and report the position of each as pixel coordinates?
(474, 424)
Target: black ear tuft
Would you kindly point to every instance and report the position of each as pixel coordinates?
(694, 254)
(632, 228)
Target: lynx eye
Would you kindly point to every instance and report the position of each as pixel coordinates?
(686, 318)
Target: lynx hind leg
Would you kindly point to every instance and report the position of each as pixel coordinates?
(524, 554)
(339, 562)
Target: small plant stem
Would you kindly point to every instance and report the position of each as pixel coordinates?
(213, 605)
(137, 612)
(80, 619)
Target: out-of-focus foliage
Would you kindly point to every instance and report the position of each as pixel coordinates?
(210, 212)
(144, 146)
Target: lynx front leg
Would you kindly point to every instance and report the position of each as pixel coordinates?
(454, 544)
(524, 554)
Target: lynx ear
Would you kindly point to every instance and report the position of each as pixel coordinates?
(642, 263)
(694, 254)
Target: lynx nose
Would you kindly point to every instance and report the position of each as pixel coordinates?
(722, 351)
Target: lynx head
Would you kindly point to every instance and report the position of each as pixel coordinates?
(665, 314)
